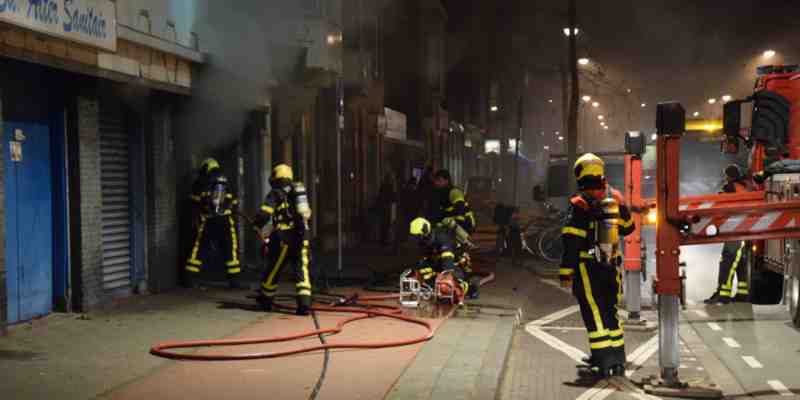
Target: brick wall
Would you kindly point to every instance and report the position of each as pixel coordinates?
(162, 224)
(3, 296)
(91, 202)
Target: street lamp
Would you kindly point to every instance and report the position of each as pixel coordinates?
(587, 99)
(600, 117)
(605, 127)
(561, 138)
(726, 98)
(644, 105)
(654, 137)
(595, 104)
(583, 61)
(712, 100)
(575, 31)
(696, 113)
(769, 54)
(494, 108)
(549, 100)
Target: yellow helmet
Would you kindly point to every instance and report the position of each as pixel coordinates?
(282, 171)
(420, 227)
(589, 171)
(209, 164)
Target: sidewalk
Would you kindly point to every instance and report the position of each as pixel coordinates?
(105, 353)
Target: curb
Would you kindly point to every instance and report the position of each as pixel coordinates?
(490, 379)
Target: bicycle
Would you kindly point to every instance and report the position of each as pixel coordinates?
(546, 233)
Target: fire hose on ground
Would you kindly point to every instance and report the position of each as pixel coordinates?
(362, 307)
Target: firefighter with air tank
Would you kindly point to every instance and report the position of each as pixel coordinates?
(283, 224)
(213, 212)
(592, 260)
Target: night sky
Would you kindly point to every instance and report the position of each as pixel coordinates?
(681, 50)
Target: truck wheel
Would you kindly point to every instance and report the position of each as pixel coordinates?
(766, 287)
(793, 298)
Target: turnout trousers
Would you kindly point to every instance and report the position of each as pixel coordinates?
(294, 252)
(598, 289)
(733, 264)
(219, 230)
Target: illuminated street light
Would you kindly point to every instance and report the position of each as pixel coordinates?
(494, 108)
(547, 147)
(595, 104)
(558, 133)
(696, 113)
(654, 137)
(712, 100)
(549, 100)
(644, 105)
(561, 138)
(630, 90)
(587, 99)
(576, 31)
(583, 61)
(726, 98)
(600, 117)
(605, 127)
(769, 54)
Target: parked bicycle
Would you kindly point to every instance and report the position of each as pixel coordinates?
(546, 233)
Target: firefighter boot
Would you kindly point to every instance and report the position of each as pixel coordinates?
(618, 370)
(264, 302)
(717, 298)
(303, 305)
(233, 284)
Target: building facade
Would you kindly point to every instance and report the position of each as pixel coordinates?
(86, 115)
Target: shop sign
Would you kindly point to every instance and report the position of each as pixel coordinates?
(91, 22)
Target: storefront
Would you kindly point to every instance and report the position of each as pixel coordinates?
(85, 143)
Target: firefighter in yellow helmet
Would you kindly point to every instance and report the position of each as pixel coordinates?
(450, 205)
(592, 259)
(440, 250)
(213, 212)
(283, 220)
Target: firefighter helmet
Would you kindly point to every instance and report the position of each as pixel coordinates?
(282, 171)
(733, 172)
(589, 171)
(420, 227)
(208, 165)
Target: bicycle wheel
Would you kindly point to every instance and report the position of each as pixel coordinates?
(550, 246)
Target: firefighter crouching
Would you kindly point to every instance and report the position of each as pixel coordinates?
(441, 252)
(283, 222)
(213, 212)
(591, 262)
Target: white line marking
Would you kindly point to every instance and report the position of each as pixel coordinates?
(602, 389)
(555, 316)
(598, 392)
(752, 362)
(561, 328)
(714, 326)
(700, 313)
(556, 284)
(780, 388)
(731, 343)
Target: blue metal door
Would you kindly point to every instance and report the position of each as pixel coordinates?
(29, 220)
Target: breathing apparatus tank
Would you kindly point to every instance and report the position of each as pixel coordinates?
(218, 194)
(607, 249)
